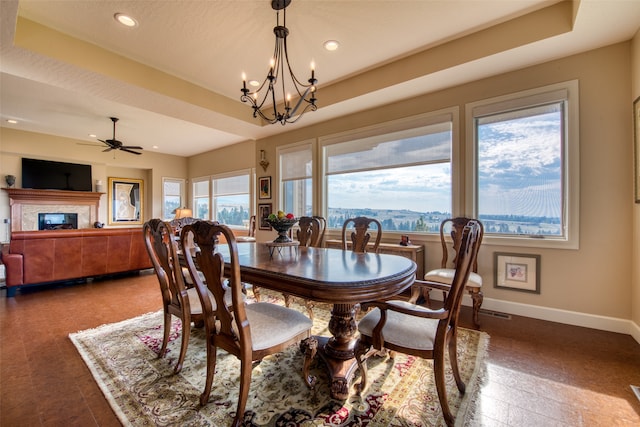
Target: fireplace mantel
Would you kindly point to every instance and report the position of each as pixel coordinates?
(25, 196)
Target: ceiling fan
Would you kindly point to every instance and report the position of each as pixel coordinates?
(114, 144)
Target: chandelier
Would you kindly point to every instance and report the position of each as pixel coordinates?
(306, 93)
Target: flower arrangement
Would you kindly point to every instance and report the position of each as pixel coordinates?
(282, 222)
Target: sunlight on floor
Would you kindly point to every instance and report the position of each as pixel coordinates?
(548, 402)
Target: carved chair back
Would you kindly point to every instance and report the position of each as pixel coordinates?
(451, 238)
(158, 238)
(323, 229)
(308, 232)
(360, 237)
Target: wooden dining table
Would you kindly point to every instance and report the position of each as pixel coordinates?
(334, 276)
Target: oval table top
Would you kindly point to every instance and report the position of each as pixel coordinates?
(327, 275)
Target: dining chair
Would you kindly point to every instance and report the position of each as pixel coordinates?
(309, 231)
(308, 235)
(412, 329)
(450, 240)
(323, 229)
(359, 238)
(177, 224)
(248, 331)
(177, 299)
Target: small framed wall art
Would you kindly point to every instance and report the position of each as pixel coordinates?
(520, 272)
(264, 210)
(264, 187)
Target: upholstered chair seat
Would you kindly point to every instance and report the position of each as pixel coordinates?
(445, 275)
(272, 324)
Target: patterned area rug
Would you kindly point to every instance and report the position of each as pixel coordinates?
(143, 391)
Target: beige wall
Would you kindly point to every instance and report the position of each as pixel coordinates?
(150, 166)
(227, 159)
(635, 236)
(600, 280)
(596, 279)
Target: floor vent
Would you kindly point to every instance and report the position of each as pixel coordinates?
(636, 391)
(495, 314)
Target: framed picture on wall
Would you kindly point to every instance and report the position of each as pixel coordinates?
(520, 272)
(125, 200)
(264, 210)
(264, 187)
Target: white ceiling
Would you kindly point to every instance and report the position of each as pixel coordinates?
(209, 43)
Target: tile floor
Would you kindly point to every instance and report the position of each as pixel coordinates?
(539, 373)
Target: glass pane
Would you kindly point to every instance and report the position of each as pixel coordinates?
(201, 209)
(414, 198)
(297, 197)
(232, 210)
(171, 203)
(520, 169)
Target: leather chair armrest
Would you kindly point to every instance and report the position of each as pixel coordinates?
(13, 264)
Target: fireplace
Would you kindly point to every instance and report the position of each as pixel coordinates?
(55, 221)
(27, 204)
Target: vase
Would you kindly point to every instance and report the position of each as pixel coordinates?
(282, 226)
(10, 179)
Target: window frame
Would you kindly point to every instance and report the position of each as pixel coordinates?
(182, 183)
(251, 176)
(570, 158)
(450, 114)
(194, 182)
(308, 144)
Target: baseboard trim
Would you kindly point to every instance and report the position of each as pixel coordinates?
(635, 331)
(603, 323)
(575, 318)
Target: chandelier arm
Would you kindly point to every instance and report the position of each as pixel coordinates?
(277, 71)
(308, 107)
(300, 99)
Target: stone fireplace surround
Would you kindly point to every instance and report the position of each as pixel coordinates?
(26, 204)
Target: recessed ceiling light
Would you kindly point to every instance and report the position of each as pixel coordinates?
(331, 45)
(125, 20)
(155, 147)
(92, 135)
(13, 122)
(254, 83)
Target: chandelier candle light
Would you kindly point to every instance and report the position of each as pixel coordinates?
(306, 92)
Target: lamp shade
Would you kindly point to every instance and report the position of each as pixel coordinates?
(183, 213)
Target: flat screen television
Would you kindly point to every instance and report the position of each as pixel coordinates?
(49, 175)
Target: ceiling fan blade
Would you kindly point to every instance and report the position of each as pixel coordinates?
(114, 144)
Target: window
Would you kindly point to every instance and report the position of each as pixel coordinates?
(201, 199)
(231, 198)
(172, 196)
(400, 173)
(296, 179)
(523, 158)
